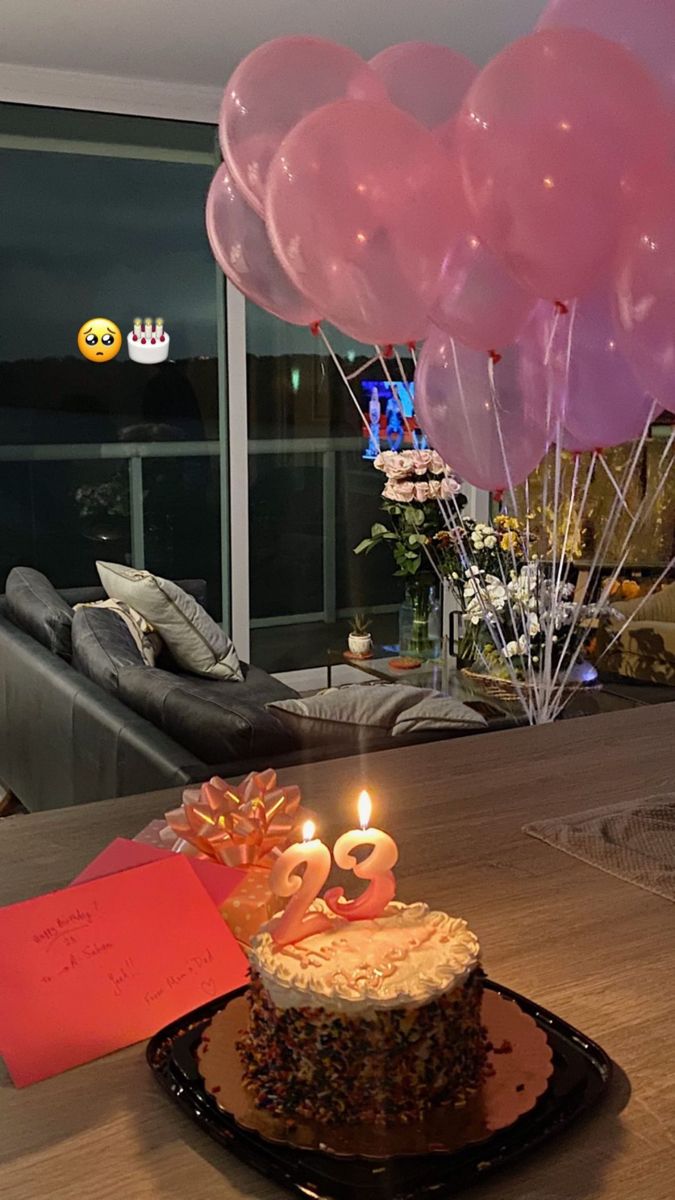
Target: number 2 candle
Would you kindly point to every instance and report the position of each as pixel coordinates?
(376, 868)
(296, 923)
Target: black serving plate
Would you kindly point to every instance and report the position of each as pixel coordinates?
(581, 1073)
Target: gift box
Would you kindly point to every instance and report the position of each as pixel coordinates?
(247, 825)
(250, 905)
(158, 834)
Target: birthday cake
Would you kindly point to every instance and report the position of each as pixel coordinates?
(373, 1020)
(148, 341)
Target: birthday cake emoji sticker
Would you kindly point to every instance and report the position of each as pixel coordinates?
(99, 340)
(148, 341)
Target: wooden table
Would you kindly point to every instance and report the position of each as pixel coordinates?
(598, 951)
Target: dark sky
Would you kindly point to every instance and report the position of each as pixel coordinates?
(84, 236)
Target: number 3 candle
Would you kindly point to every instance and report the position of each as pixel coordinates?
(376, 868)
(296, 923)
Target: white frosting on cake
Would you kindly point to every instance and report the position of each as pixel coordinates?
(405, 958)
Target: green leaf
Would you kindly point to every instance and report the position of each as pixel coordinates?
(418, 516)
(365, 545)
(378, 530)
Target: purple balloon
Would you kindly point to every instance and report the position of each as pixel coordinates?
(424, 79)
(455, 408)
(242, 249)
(598, 401)
(645, 27)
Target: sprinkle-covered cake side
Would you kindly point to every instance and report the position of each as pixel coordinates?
(374, 1022)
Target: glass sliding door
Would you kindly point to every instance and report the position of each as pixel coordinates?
(312, 498)
(103, 216)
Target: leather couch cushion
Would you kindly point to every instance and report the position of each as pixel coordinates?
(195, 641)
(210, 717)
(36, 607)
(102, 646)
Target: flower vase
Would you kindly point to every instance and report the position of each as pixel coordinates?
(419, 620)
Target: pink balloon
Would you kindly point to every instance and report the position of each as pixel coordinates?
(242, 249)
(357, 214)
(645, 27)
(479, 302)
(455, 407)
(546, 134)
(274, 88)
(425, 80)
(598, 402)
(645, 296)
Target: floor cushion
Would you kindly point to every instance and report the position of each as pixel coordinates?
(356, 717)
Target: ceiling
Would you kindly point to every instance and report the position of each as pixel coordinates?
(199, 42)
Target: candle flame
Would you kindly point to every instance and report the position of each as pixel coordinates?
(308, 831)
(365, 809)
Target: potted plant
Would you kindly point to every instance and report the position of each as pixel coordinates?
(360, 641)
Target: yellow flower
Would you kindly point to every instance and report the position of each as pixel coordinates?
(509, 541)
(504, 522)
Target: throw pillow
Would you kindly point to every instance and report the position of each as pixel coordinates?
(34, 604)
(659, 607)
(192, 636)
(146, 639)
(358, 716)
(436, 712)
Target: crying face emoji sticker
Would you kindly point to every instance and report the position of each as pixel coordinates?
(99, 340)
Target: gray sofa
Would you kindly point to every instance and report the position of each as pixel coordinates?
(83, 718)
(92, 721)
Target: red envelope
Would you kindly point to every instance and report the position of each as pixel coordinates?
(220, 881)
(104, 964)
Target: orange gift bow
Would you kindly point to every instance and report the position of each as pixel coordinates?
(245, 825)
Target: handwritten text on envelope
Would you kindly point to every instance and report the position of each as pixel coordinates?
(104, 964)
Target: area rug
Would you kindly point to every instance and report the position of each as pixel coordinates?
(634, 840)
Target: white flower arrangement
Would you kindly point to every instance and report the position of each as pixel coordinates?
(518, 613)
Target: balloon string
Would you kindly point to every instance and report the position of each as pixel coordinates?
(572, 629)
(643, 511)
(404, 379)
(360, 370)
(524, 613)
(668, 447)
(610, 525)
(613, 480)
(552, 612)
(551, 339)
(487, 607)
(392, 385)
(641, 515)
(324, 337)
(558, 598)
(469, 424)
